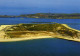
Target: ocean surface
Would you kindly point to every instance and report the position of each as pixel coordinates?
(41, 47)
(74, 23)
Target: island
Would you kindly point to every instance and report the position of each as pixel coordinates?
(47, 15)
(53, 15)
(21, 32)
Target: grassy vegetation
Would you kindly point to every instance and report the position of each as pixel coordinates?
(55, 28)
(47, 15)
(53, 15)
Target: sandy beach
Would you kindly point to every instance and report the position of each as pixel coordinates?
(38, 37)
(25, 38)
(41, 35)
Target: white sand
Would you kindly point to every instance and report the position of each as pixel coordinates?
(37, 37)
(21, 39)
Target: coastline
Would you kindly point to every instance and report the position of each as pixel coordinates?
(66, 38)
(38, 37)
(41, 36)
(23, 39)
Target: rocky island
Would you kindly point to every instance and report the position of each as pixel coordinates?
(20, 32)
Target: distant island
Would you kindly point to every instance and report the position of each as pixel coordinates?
(20, 32)
(48, 15)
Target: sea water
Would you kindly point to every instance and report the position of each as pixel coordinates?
(41, 47)
(74, 23)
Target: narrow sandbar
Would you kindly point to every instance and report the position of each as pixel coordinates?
(25, 38)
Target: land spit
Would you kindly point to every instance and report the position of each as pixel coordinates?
(20, 32)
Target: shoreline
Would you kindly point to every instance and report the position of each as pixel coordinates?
(41, 36)
(23, 39)
(38, 37)
(69, 39)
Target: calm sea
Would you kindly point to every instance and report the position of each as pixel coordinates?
(41, 47)
(74, 23)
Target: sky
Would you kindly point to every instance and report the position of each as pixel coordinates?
(17, 7)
